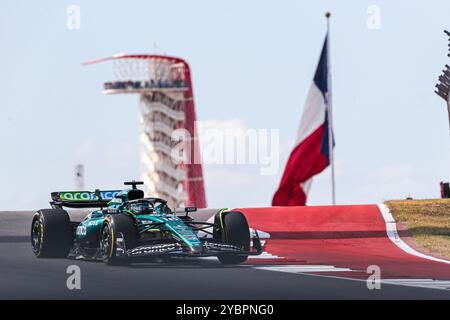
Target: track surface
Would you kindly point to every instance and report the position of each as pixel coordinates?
(22, 276)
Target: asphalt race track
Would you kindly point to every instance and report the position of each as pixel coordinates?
(22, 276)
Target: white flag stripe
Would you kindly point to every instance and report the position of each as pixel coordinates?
(313, 114)
(306, 186)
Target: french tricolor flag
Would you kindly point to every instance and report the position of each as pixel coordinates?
(313, 149)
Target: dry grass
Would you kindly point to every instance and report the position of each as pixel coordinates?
(428, 221)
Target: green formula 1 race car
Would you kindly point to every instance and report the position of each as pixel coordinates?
(125, 225)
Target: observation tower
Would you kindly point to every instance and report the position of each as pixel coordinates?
(166, 103)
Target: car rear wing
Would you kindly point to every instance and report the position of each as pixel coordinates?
(82, 199)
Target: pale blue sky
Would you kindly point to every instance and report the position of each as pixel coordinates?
(252, 61)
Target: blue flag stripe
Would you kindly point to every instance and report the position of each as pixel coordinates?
(321, 76)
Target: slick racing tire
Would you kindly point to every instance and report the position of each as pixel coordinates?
(234, 231)
(112, 226)
(51, 233)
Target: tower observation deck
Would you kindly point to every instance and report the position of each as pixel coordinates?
(167, 103)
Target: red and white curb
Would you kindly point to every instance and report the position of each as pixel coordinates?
(391, 230)
(392, 233)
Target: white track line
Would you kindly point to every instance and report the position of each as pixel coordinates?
(264, 255)
(423, 283)
(391, 230)
(302, 268)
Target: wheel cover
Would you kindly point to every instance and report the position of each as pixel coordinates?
(106, 243)
(36, 235)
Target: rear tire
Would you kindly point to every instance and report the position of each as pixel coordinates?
(51, 233)
(114, 224)
(234, 231)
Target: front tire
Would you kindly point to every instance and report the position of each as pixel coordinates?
(113, 225)
(51, 233)
(234, 231)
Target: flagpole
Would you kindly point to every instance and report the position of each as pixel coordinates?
(330, 114)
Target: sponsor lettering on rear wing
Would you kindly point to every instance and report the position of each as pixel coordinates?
(82, 199)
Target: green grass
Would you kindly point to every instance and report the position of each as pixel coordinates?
(428, 221)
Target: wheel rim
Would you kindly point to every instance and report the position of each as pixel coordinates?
(36, 236)
(105, 243)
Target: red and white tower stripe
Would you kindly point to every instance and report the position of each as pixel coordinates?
(167, 103)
